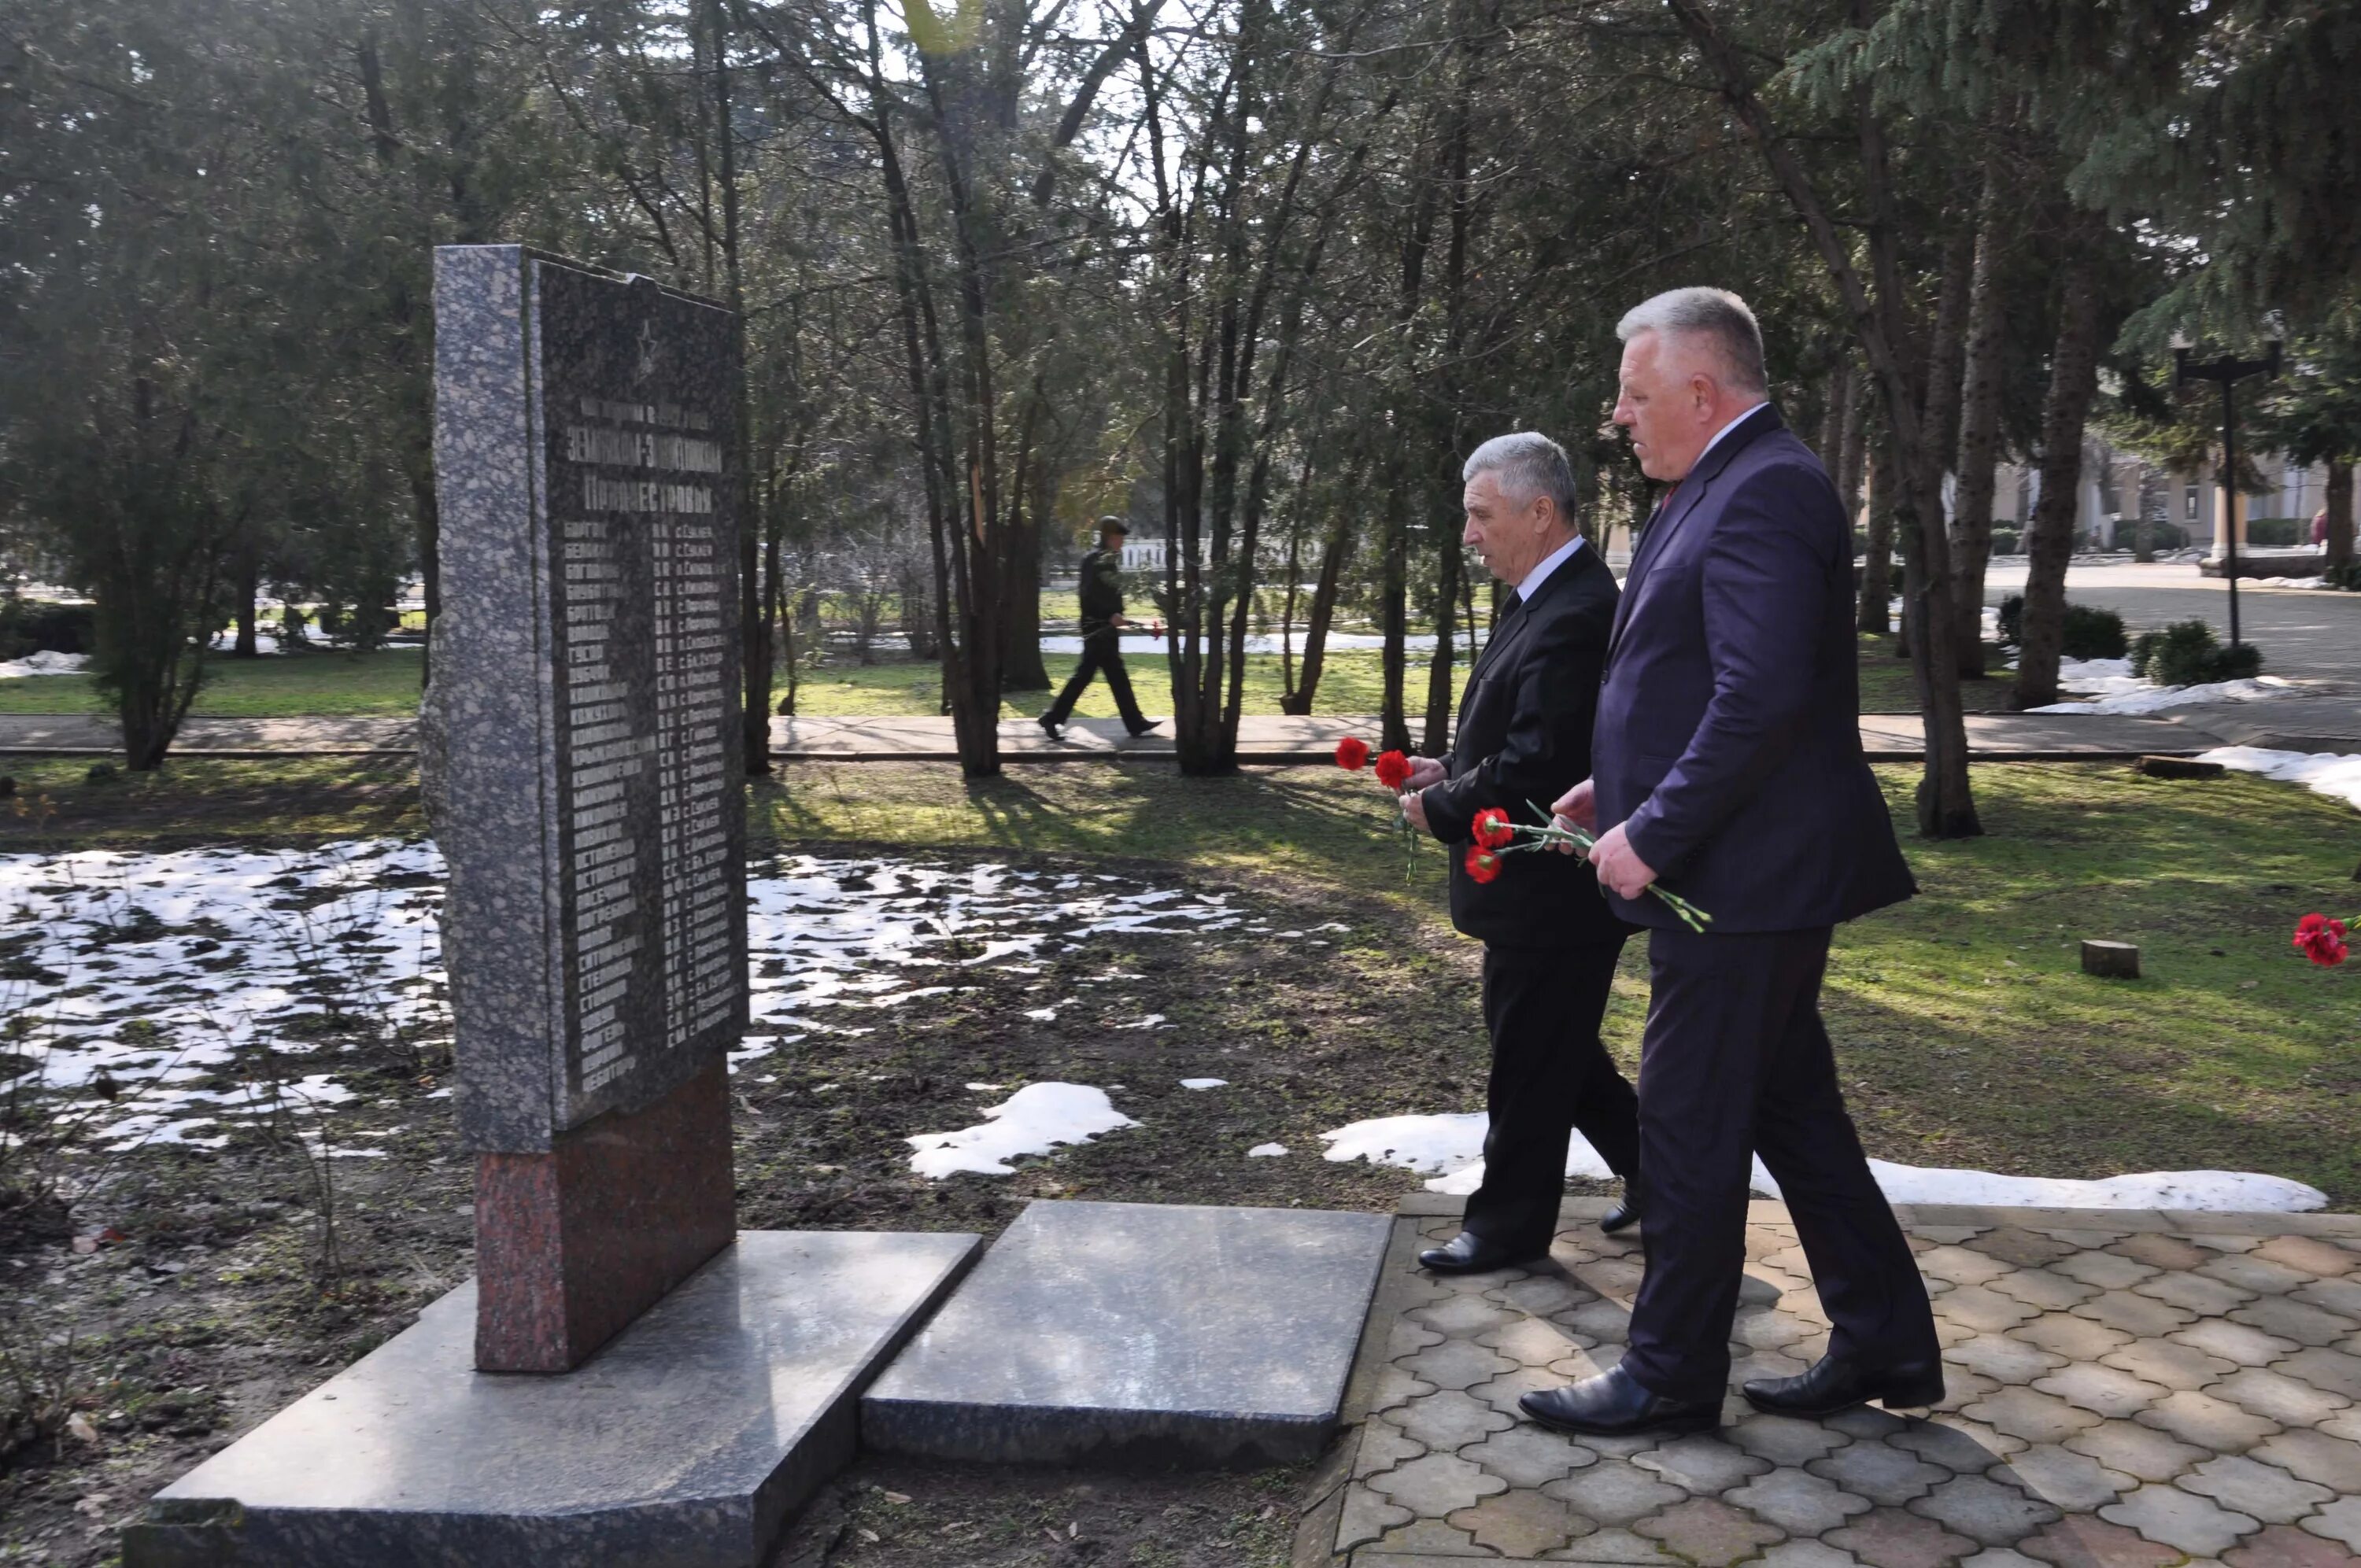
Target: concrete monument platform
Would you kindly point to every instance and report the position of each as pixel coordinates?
(1121, 1332)
(685, 1444)
(2126, 1388)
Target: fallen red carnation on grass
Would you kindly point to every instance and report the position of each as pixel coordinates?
(1353, 753)
(2322, 939)
(1393, 769)
(1493, 829)
(1482, 863)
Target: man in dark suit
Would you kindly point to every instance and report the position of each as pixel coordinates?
(1102, 624)
(1550, 941)
(1728, 761)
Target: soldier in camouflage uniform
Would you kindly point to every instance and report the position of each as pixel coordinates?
(1102, 624)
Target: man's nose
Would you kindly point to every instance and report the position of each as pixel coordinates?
(1471, 536)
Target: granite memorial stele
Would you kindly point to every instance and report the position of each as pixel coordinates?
(628, 1380)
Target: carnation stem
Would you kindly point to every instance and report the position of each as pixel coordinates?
(1549, 833)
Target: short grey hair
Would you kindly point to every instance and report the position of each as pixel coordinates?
(1719, 316)
(1528, 463)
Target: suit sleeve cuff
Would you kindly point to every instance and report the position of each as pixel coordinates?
(1650, 839)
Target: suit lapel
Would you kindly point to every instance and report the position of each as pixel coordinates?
(1684, 501)
(1512, 624)
(1502, 633)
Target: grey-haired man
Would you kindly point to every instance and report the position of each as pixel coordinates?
(1550, 941)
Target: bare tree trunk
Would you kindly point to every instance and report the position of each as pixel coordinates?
(1393, 613)
(1875, 612)
(2049, 538)
(249, 588)
(754, 630)
(2339, 555)
(1336, 555)
(1436, 739)
(1029, 493)
(1853, 449)
(1980, 397)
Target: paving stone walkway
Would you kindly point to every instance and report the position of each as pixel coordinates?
(2128, 1390)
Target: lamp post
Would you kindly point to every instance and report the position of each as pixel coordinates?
(2229, 370)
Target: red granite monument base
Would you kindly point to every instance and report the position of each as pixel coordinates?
(574, 1244)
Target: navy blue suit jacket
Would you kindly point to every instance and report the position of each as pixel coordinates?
(1729, 731)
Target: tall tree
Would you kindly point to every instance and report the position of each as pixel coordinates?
(1881, 316)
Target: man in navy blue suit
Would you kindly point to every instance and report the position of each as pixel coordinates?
(1726, 761)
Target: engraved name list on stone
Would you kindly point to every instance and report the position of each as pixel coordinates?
(646, 585)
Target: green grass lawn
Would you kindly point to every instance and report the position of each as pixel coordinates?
(1888, 686)
(1352, 685)
(323, 682)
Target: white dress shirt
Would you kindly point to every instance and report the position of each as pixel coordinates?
(1733, 425)
(1549, 563)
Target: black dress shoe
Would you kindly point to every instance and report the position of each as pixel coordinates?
(1835, 1384)
(1468, 1253)
(1051, 728)
(1626, 1213)
(1614, 1404)
(1144, 728)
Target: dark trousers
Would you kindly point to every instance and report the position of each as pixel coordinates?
(1550, 1075)
(1101, 651)
(1737, 1062)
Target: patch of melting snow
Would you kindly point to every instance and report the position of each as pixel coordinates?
(1205, 1083)
(835, 932)
(43, 663)
(1036, 1119)
(2336, 773)
(154, 975)
(1151, 1022)
(160, 976)
(2114, 689)
(1266, 1151)
(1451, 1147)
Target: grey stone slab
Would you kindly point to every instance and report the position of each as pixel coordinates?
(1139, 1333)
(584, 701)
(683, 1444)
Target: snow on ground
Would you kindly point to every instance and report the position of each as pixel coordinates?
(1451, 1147)
(1034, 1120)
(152, 975)
(184, 984)
(43, 663)
(2114, 689)
(2334, 773)
(1205, 1083)
(837, 933)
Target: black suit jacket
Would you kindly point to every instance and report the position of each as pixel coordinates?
(1523, 741)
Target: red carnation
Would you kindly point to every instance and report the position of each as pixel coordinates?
(2322, 939)
(1393, 769)
(1353, 753)
(1482, 863)
(1492, 829)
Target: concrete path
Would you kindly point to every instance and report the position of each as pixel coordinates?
(85, 734)
(1998, 737)
(2126, 1389)
(2311, 633)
